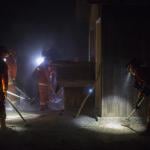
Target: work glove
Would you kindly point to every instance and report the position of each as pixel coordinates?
(14, 81)
(5, 92)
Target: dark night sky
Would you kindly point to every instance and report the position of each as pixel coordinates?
(30, 25)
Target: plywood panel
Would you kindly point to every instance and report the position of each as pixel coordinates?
(75, 77)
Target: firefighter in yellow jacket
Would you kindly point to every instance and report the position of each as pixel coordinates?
(3, 86)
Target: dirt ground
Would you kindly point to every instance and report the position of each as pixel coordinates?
(50, 130)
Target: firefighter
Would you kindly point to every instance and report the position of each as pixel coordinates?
(56, 96)
(141, 76)
(43, 84)
(12, 73)
(3, 86)
(52, 80)
(47, 79)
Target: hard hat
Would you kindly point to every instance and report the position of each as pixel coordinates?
(134, 63)
(50, 54)
(12, 52)
(3, 50)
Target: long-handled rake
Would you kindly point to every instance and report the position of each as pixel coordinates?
(126, 122)
(9, 101)
(31, 100)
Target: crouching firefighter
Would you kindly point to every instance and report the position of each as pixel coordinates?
(3, 86)
(141, 76)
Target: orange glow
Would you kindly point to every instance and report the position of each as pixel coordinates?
(3, 85)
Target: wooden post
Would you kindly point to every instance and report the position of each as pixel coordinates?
(92, 31)
(98, 71)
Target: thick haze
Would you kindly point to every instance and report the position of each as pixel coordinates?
(28, 27)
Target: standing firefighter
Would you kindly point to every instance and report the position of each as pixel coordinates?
(43, 85)
(3, 86)
(12, 73)
(50, 93)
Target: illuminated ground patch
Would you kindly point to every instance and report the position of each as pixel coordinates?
(109, 126)
(14, 116)
(15, 122)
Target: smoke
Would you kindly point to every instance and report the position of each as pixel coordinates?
(126, 81)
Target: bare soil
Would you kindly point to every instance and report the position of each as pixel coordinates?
(53, 131)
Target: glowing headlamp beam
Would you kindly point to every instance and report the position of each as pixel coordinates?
(4, 59)
(8, 92)
(39, 60)
(91, 90)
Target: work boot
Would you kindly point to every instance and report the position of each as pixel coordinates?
(147, 130)
(3, 124)
(61, 112)
(43, 107)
